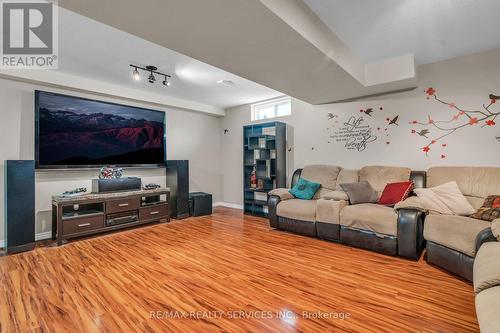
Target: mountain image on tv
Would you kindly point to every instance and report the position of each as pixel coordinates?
(79, 132)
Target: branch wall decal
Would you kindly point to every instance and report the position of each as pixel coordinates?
(461, 119)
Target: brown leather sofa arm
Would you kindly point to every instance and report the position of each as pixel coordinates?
(484, 236)
(272, 204)
(410, 233)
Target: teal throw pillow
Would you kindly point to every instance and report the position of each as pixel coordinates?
(305, 189)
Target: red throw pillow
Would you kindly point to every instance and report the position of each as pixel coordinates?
(395, 192)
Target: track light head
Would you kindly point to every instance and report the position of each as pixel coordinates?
(135, 75)
(166, 82)
(151, 78)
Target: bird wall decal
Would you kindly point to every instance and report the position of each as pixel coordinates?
(423, 133)
(494, 97)
(368, 111)
(394, 121)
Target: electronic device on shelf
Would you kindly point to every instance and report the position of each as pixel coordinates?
(74, 193)
(116, 185)
(151, 186)
(122, 218)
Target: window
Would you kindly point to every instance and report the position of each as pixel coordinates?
(271, 109)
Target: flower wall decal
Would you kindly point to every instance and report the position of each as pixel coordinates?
(460, 120)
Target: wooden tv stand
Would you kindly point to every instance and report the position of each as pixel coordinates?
(90, 214)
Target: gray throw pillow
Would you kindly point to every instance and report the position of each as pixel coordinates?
(360, 192)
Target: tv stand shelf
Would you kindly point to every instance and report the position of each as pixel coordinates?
(91, 214)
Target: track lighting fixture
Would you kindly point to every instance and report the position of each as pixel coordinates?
(152, 70)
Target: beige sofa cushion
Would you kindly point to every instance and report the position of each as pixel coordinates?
(283, 193)
(487, 267)
(412, 202)
(379, 219)
(297, 209)
(476, 183)
(445, 199)
(335, 195)
(326, 175)
(455, 232)
(347, 176)
(380, 176)
(495, 228)
(488, 310)
(328, 211)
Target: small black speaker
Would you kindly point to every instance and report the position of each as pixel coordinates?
(19, 206)
(200, 204)
(178, 180)
(116, 185)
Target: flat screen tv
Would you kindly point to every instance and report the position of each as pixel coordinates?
(74, 132)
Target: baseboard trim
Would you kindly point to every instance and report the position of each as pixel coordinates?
(38, 237)
(228, 205)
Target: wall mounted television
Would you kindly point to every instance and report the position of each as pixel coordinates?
(74, 132)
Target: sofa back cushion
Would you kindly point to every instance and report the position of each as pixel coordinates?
(476, 183)
(347, 176)
(326, 175)
(380, 176)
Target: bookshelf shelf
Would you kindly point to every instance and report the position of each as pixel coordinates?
(264, 152)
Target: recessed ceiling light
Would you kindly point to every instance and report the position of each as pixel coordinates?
(227, 83)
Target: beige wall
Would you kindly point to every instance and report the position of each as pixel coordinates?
(190, 135)
(466, 81)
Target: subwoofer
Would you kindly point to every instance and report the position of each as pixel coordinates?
(178, 180)
(19, 206)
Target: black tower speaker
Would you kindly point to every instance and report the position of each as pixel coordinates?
(19, 206)
(178, 181)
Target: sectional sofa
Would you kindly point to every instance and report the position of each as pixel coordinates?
(452, 241)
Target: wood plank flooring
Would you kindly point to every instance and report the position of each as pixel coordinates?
(225, 273)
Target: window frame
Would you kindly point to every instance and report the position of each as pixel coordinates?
(275, 103)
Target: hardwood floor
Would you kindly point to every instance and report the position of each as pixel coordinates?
(229, 273)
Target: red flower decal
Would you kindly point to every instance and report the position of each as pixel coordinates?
(443, 156)
(444, 145)
(413, 131)
(426, 149)
(493, 101)
(431, 91)
(433, 142)
(473, 121)
(490, 123)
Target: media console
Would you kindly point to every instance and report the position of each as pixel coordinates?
(90, 214)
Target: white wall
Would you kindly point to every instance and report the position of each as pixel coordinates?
(466, 81)
(190, 135)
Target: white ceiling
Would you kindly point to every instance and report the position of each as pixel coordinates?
(90, 49)
(433, 30)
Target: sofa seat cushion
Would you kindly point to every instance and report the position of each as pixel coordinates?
(328, 211)
(297, 209)
(488, 310)
(487, 267)
(379, 219)
(455, 232)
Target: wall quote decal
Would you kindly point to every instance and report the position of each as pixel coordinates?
(358, 132)
(461, 119)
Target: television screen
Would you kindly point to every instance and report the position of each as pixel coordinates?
(74, 132)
